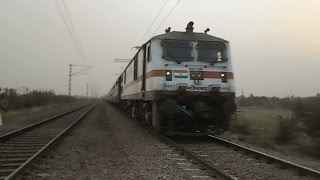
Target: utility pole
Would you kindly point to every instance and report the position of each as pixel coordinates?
(87, 90)
(70, 75)
(82, 71)
(0, 107)
(2, 98)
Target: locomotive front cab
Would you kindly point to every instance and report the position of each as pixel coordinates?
(197, 87)
(196, 66)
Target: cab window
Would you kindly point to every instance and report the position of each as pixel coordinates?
(177, 50)
(211, 52)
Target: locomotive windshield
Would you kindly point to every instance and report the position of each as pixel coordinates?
(210, 52)
(175, 50)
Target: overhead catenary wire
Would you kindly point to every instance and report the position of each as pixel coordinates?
(154, 20)
(73, 29)
(76, 46)
(166, 17)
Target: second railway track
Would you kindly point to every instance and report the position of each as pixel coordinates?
(20, 148)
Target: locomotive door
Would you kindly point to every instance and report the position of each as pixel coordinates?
(143, 84)
(119, 82)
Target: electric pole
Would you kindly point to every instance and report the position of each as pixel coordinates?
(70, 75)
(82, 71)
(87, 90)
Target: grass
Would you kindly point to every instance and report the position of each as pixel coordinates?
(263, 120)
(258, 125)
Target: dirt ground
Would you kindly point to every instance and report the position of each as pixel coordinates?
(106, 145)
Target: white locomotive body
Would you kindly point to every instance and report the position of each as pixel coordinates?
(179, 82)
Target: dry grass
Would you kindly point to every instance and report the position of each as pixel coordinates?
(263, 123)
(261, 126)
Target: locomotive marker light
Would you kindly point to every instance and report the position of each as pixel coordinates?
(224, 77)
(196, 75)
(168, 75)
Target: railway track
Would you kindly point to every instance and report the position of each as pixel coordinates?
(223, 159)
(242, 162)
(213, 171)
(302, 170)
(20, 148)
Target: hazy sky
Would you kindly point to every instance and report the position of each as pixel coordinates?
(275, 43)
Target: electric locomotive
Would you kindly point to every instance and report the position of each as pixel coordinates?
(181, 83)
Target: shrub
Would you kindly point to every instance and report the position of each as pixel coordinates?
(239, 125)
(287, 128)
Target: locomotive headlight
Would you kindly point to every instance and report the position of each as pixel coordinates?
(196, 75)
(224, 77)
(168, 74)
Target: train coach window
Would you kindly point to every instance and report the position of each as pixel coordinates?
(179, 51)
(210, 52)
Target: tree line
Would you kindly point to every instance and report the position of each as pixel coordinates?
(12, 100)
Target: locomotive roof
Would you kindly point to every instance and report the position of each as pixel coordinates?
(189, 36)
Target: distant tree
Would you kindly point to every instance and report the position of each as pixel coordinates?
(307, 111)
(33, 98)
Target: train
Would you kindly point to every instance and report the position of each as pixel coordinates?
(180, 83)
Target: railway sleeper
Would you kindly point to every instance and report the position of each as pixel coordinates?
(6, 172)
(19, 152)
(10, 166)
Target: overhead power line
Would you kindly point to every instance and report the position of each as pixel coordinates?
(70, 31)
(73, 29)
(166, 17)
(154, 20)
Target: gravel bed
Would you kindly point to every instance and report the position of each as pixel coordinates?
(18, 119)
(107, 145)
(241, 165)
(295, 157)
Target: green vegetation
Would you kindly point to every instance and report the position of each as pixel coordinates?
(275, 123)
(11, 100)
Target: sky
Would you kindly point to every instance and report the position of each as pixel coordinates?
(275, 44)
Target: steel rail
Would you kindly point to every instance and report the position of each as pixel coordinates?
(302, 169)
(211, 169)
(18, 173)
(37, 124)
